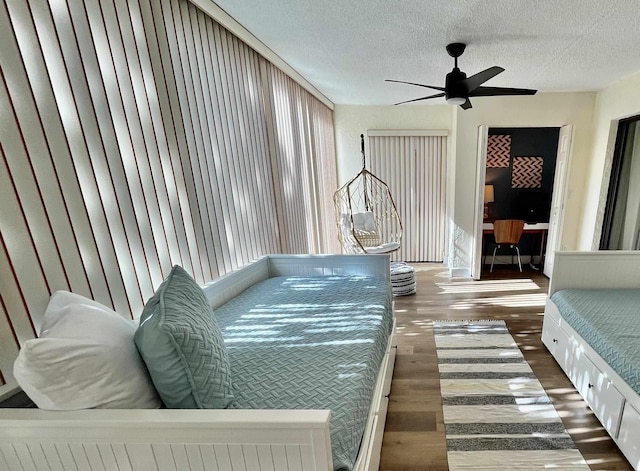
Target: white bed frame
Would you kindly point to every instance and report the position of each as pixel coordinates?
(221, 440)
(612, 400)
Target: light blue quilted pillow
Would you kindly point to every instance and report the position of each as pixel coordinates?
(182, 346)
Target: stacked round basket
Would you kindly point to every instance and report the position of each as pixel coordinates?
(403, 279)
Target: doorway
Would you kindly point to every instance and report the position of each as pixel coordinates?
(621, 226)
(521, 174)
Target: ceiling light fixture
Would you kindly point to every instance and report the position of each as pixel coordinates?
(456, 100)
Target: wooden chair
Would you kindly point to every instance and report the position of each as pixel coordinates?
(507, 231)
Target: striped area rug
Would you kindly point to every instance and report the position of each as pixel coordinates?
(496, 413)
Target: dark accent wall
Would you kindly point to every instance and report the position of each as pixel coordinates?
(524, 203)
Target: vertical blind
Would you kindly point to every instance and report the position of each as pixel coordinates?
(414, 168)
(301, 132)
(139, 135)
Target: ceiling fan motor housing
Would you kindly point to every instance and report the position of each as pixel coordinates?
(454, 85)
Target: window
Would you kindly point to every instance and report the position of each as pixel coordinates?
(621, 226)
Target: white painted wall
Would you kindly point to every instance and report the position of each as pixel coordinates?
(619, 100)
(543, 109)
(352, 120)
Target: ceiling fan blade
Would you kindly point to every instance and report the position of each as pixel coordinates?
(417, 84)
(437, 95)
(478, 79)
(466, 105)
(495, 91)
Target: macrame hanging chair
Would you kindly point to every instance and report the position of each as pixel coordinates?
(367, 217)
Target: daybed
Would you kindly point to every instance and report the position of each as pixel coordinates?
(592, 328)
(268, 430)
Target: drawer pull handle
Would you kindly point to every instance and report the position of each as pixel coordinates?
(590, 385)
(555, 340)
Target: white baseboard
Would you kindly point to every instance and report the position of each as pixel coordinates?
(460, 273)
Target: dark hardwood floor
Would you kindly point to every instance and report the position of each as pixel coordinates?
(414, 437)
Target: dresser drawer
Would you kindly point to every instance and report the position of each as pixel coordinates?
(596, 389)
(549, 333)
(558, 343)
(629, 436)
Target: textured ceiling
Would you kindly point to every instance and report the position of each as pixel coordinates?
(347, 48)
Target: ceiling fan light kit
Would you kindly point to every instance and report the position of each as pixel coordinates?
(452, 100)
(458, 87)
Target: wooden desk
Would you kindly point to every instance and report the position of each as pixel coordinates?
(538, 228)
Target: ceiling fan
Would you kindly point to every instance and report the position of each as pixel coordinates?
(459, 88)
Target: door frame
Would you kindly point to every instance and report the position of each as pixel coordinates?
(614, 178)
(554, 239)
(481, 163)
(481, 176)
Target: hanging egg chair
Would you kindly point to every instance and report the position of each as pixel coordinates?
(367, 218)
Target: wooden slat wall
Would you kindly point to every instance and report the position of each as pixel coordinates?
(134, 136)
(414, 167)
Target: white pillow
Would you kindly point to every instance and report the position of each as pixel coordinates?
(383, 248)
(358, 221)
(85, 358)
(345, 221)
(364, 221)
(369, 221)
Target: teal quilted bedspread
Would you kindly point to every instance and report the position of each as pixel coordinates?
(310, 343)
(609, 321)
